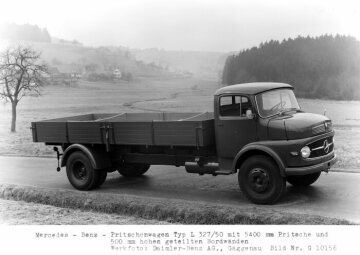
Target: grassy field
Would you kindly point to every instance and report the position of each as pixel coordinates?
(23, 213)
(183, 94)
(136, 208)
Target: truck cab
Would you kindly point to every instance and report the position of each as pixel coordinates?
(260, 127)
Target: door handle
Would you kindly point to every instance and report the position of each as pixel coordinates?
(220, 125)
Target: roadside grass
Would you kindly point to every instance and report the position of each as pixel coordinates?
(185, 94)
(23, 213)
(347, 148)
(169, 210)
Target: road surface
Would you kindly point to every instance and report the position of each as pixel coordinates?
(334, 194)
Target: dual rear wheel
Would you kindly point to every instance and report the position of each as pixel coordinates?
(133, 169)
(81, 173)
(83, 176)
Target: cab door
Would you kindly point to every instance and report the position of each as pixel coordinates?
(233, 129)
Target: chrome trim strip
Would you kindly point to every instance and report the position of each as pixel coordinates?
(318, 148)
(320, 157)
(322, 147)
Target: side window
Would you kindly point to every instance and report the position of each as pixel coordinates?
(245, 105)
(235, 106)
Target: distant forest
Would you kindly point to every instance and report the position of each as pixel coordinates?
(322, 67)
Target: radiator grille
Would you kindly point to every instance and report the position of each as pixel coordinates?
(321, 147)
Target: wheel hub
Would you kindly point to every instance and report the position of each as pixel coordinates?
(80, 171)
(258, 179)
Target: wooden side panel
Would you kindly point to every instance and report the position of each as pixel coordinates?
(51, 132)
(184, 133)
(85, 132)
(175, 133)
(132, 133)
(173, 129)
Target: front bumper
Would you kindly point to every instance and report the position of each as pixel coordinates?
(324, 166)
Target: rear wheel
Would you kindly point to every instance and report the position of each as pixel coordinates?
(260, 180)
(133, 169)
(102, 177)
(303, 180)
(80, 172)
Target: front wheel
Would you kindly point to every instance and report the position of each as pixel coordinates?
(260, 180)
(303, 180)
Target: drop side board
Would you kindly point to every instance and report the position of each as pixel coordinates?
(149, 129)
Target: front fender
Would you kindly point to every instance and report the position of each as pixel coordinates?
(256, 149)
(99, 158)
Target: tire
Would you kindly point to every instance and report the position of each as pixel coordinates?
(303, 180)
(133, 169)
(80, 173)
(260, 180)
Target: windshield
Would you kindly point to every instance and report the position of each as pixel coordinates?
(276, 101)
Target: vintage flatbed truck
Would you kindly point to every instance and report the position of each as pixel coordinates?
(257, 130)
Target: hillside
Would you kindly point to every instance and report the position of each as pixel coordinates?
(26, 32)
(69, 57)
(198, 63)
(101, 62)
(322, 67)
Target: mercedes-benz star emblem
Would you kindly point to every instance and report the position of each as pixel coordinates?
(326, 146)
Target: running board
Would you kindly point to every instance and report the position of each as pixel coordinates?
(224, 172)
(208, 168)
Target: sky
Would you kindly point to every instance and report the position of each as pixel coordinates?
(199, 25)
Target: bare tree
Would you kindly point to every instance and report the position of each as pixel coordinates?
(21, 74)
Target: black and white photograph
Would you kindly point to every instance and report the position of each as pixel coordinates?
(180, 126)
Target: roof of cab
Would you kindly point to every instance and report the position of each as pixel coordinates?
(251, 88)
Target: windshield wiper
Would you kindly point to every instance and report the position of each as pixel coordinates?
(280, 113)
(288, 110)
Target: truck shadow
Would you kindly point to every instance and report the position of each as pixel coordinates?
(214, 191)
(312, 193)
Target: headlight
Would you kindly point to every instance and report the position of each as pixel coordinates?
(305, 152)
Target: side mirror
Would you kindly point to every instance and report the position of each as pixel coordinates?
(249, 114)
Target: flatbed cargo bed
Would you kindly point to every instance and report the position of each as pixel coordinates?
(150, 129)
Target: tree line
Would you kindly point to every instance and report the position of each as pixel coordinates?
(322, 67)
